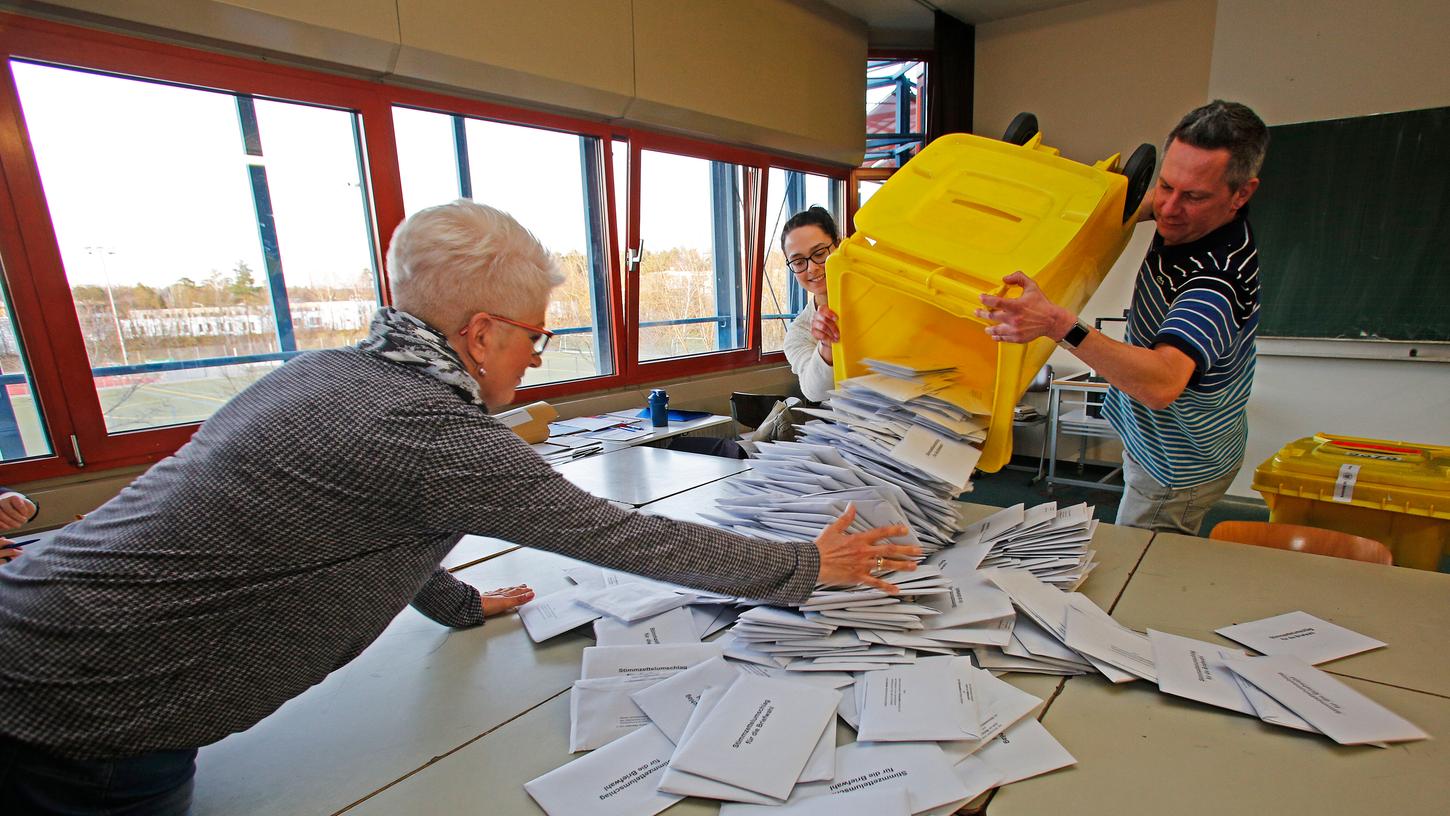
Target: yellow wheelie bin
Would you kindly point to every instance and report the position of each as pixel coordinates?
(947, 227)
(1397, 493)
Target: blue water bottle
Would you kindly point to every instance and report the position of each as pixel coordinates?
(659, 415)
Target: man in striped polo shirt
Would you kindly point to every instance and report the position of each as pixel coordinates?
(1180, 382)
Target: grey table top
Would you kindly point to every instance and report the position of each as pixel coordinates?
(1140, 751)
(1192, 586)
(639, 475)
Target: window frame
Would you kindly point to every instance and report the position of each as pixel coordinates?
(45, 315)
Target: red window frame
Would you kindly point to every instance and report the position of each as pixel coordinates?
(45, 315)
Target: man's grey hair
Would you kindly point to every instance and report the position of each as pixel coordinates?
(447, 263)
(1231, 126)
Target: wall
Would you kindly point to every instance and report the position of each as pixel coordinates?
(782, 75)
(1293, 60)
(1306, 60)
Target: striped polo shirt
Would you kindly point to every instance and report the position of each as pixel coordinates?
(1203, 299)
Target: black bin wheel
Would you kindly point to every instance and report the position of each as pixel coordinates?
(1023, 127)
(1139, 171)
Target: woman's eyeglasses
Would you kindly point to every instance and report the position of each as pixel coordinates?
(818, 256)
(538, 335)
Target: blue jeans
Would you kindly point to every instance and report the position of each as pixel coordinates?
(35, 781)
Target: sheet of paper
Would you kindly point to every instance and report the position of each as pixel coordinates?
(1196, 670)
(555, 613)
(671, 702)
(601, 711)
(674, 626)
(1023, 751)
(919, 767)
(930, 700)
(1301, 635)
(1345, 715)
(613, 661)
(1111, 643)
(620, 779)
(867, 802)
(760, 735)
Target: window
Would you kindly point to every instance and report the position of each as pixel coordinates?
(173, 236)
(789, 192)
(895, 111)
(174, 224)
(22, 433)
(692, 270)
(552, 183)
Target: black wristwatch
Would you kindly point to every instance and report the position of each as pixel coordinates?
(1074, 336)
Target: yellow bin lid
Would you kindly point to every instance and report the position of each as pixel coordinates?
(1404, 473)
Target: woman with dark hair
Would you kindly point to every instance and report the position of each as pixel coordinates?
(807, 239)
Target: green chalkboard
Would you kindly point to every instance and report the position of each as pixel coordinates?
(1352, 220)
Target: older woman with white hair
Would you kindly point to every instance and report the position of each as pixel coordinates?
(302, 517)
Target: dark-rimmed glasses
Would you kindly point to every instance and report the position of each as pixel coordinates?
(818, 256)
(538, 335)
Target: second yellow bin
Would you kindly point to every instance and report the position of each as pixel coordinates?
(1399, 493)
(946, 228)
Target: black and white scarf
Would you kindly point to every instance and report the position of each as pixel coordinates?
(405, 339)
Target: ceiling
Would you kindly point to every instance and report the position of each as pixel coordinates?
(908, 23)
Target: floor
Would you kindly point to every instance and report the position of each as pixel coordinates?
(1011, 486)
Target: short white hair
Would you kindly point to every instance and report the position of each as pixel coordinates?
(449, 262)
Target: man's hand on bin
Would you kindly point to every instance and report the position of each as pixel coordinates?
(1026, 317)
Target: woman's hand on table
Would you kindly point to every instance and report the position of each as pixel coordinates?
(499, 601)
(854, 558)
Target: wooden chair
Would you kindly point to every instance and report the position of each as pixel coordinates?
(1303, 539)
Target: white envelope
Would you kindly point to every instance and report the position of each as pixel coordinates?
(1301, 635)
(977, 777)
(945, 459)
(919, 767)
(674, 626)
(1345, 715)
(1111, 643)
(931, 700)
(620, 779)
(821, 766)
(671, 702)
(760, 735)
(633, 600)
(612, 661)
(601, 711)
(555, 613)
(688, 784)
(1268, 709)
(868, 802)
(1196, 670)
(1024, 750)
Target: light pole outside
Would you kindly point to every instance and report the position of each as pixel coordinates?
(102, 252)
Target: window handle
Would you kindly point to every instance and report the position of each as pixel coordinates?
(635, 256)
